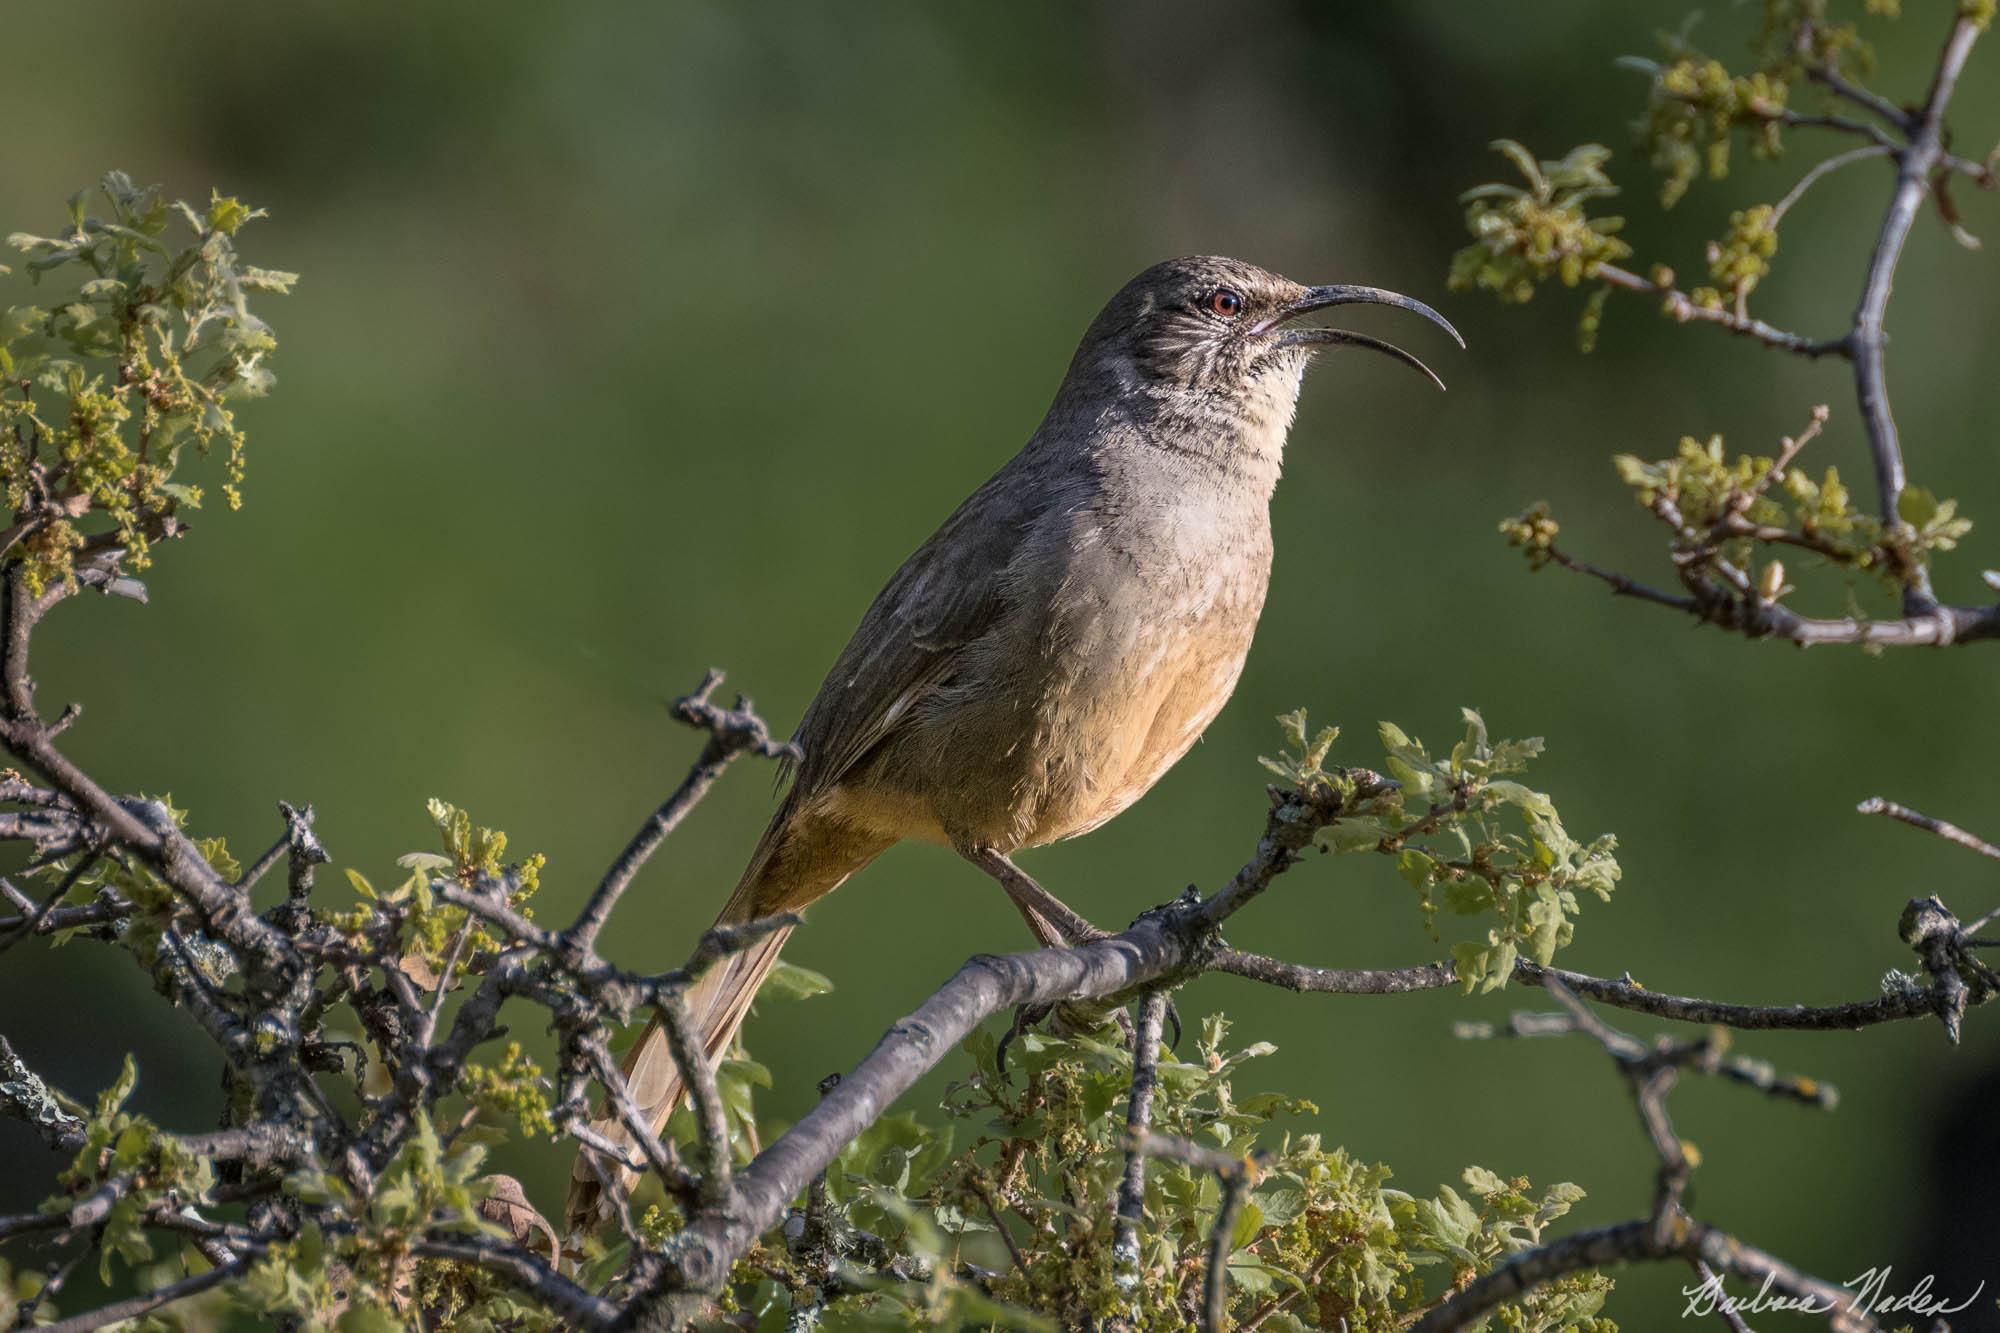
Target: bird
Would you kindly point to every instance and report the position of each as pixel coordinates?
(1051, 651)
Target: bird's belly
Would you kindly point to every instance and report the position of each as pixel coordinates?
(1064, 716)
(1141, 690)
(1143, 731)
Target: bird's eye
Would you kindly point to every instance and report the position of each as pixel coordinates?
(1225, 303)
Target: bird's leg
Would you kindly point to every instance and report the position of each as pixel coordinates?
(1051, 919)
(1054, 923)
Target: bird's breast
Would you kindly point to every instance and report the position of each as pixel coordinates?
(1141, 656)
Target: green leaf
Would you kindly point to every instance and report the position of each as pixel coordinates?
(789, 981)
(226, 214)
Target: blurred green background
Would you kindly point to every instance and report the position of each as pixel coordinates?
(636, 338)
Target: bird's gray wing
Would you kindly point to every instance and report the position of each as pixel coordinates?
(946, 595)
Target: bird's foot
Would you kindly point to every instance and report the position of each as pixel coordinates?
(1026, 1017)
(1075, 1018)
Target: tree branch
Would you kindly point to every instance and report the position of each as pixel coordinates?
(24, 1096)
(731, 732)
(1868, 339)
(1682, 307)
(1650, 1073)
(134, 1306)
(1138, 1122)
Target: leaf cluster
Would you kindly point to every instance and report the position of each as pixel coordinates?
(1469, 839)
(1733, 506)
(87, 875)
(152, 1169)
(1525, 234)
(1697, 109)
(1693, 113)
(431, 931)
(1322, 1242)
(353, 1268)
(140, 341)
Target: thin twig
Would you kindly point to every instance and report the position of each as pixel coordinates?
(1236, 1185)
(1757, 617)
(718, 1186)
(1824, 168)
(985, 1194)
(134, 1306)
(1635, 1240)
(1619, 993)
(1829, 76)
(528, 1271)
(655, 1150)
(1680, 306)
(1711, 1280)
(1950, 832)
(731, 732)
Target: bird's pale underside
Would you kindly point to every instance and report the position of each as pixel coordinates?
(1062, 640)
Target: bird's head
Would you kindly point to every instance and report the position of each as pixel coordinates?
(1221, 328)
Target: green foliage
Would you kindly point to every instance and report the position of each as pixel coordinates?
(514, 1089)
(121, 1146)
(1524, 235)
(1697, 106)
(1533, 532)
(1732, 519)
(142, 340)
(1714, 493)
(363, 1276)
(1739, 262)
(905, 1230)
(1468, 838)
(1322, 1243)
(155, 907)
(1694, 111)
(431, 929)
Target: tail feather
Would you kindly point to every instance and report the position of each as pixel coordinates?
(777, 879)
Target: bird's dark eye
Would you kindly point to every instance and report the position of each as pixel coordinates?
(1225, 303)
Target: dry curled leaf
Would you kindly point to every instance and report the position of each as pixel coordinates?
(507, 1204)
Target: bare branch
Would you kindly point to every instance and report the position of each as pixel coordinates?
(1680, 306)
(1868, 339)
(1138, 1120)
(1633, 1241)
(526, 1270)
(1876, 805)
(1236, 1184)
(1823, 168)
(658, 1154)
(24, 1096)
(718, 1187)
(1668, 1233)
(134, 1306)
(731, 732)
(1757, 617)
(1829, 76)
(1621, 994)
(1752, 1073)
(1296, 818)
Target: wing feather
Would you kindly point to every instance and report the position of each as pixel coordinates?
(945, 596)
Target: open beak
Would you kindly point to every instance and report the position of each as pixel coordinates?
(1319, 298)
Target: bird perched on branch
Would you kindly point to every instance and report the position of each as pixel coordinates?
(1065, 637)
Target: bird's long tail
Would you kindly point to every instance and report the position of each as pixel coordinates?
(783, 875)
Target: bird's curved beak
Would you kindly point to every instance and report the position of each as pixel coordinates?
(1319, 298)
